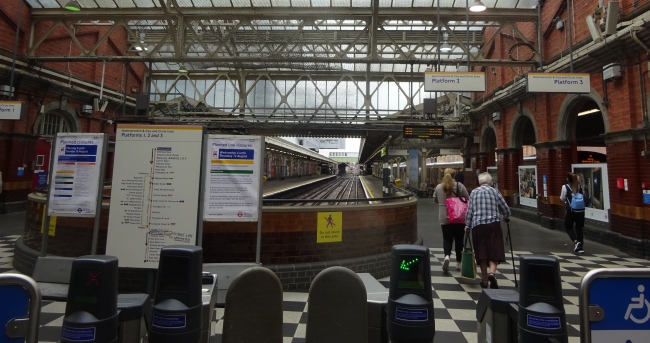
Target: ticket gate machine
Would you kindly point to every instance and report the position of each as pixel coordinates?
(541, 308)
(410, 316)
(177, 309)
(91, 309)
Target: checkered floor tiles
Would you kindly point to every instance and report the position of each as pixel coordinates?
(454, 299)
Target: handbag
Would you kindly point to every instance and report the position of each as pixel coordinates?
(468, 265)
(456, 208)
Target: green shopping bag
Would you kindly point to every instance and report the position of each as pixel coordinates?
(468, 267)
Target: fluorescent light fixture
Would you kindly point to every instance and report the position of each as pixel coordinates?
(182, 69)
(477, 6)
(589, 111)
(445, 47)
(72, 6)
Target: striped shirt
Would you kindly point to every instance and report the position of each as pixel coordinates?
(485, 205)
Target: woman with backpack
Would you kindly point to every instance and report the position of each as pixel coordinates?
(450, 232)
(575, 211)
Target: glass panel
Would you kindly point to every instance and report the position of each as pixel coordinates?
(144, 3)
(87, 3)
(106, 3)
(423, 3)
(221, 3)
(340, 3)
(361, 3)
(125, 3)
(37, 4)
(281, 3)
(261, 3)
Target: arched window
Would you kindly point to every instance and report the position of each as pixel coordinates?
(52, 123)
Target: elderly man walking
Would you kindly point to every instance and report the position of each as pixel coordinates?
(486, 207)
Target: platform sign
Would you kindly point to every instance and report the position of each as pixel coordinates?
(76, 172)
(615, 305)
(232, 175)
(454, 82)
(577, 83)
(155, 197)
(12, 110)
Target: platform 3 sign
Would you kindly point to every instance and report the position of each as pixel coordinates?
(558, 83)
(614, 305)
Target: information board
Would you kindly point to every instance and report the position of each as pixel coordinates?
(76, 171)
(454, 82)
(423, 131)
(558, 83)
(155, 197)
(232, 178)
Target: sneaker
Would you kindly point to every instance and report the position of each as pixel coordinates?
(577, 247)
(580, 250)
(493, 281)
(458, 265)
(445, 264)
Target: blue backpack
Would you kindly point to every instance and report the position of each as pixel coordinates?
(576, 201)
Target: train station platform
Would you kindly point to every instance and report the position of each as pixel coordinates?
(454, 298)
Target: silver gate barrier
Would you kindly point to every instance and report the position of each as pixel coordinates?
(19, 296)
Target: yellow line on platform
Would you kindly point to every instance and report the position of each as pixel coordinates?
(367, 188)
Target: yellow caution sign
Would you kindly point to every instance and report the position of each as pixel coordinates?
(329, 226)
(52, 229)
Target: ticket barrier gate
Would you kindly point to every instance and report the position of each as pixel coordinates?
(21, 309)
(209, 301)
(535, 315)
(410, 316)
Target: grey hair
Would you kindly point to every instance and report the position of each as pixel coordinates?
(485, 178)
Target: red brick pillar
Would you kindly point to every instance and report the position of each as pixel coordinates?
(553, 161)
(482, 161)
(507, 162)
(629, 216)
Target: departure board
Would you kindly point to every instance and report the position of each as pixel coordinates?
(422, 131)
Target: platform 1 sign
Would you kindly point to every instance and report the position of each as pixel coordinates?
(454, 82)
(12, 110)
(558, 83)
(614, 305)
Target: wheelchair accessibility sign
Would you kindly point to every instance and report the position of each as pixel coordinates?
(615, 306)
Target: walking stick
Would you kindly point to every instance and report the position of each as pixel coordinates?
(509, 239)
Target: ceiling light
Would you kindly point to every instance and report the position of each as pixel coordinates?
(182, 69)
(589, 111)
(477, 6)
(445, 47)
(73, 6)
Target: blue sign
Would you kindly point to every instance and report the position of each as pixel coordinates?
(646, 197)
(549, 323)
(626, 309)
(42, 179)
(78, 334)
(15, 304)
(81, 149)
(236, 154)
(412, 314)
(171, 321)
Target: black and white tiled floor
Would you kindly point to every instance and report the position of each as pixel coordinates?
(454, 299)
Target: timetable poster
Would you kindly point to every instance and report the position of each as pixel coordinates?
(155, 193)
(232, 178)
(76, 169)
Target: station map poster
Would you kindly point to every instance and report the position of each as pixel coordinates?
(155, 193)
(528, 186)
(76, 170)
(232, 178)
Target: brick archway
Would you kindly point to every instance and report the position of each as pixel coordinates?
(518, 134)
(567, 116)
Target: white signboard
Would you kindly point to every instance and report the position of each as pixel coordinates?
(445, 151)
(528, 186)
(76, 170)
(155, 194)
(454, 82)
(232, 178)
(558, 83)
(11, 110)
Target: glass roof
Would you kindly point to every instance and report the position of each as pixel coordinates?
(523, 4)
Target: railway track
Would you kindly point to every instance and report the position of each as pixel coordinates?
(343, 190)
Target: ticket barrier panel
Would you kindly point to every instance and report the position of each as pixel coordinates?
(541, 316)
(177, 308)
(21, 309)
(209, 301)
(377, 296)
(410, 317)
(494, 321)
(131, 313)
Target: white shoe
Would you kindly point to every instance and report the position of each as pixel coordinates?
(445, 264)
(457, 265)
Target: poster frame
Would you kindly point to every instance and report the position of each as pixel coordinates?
(527, 201)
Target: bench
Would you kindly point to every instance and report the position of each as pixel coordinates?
(52, 273)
